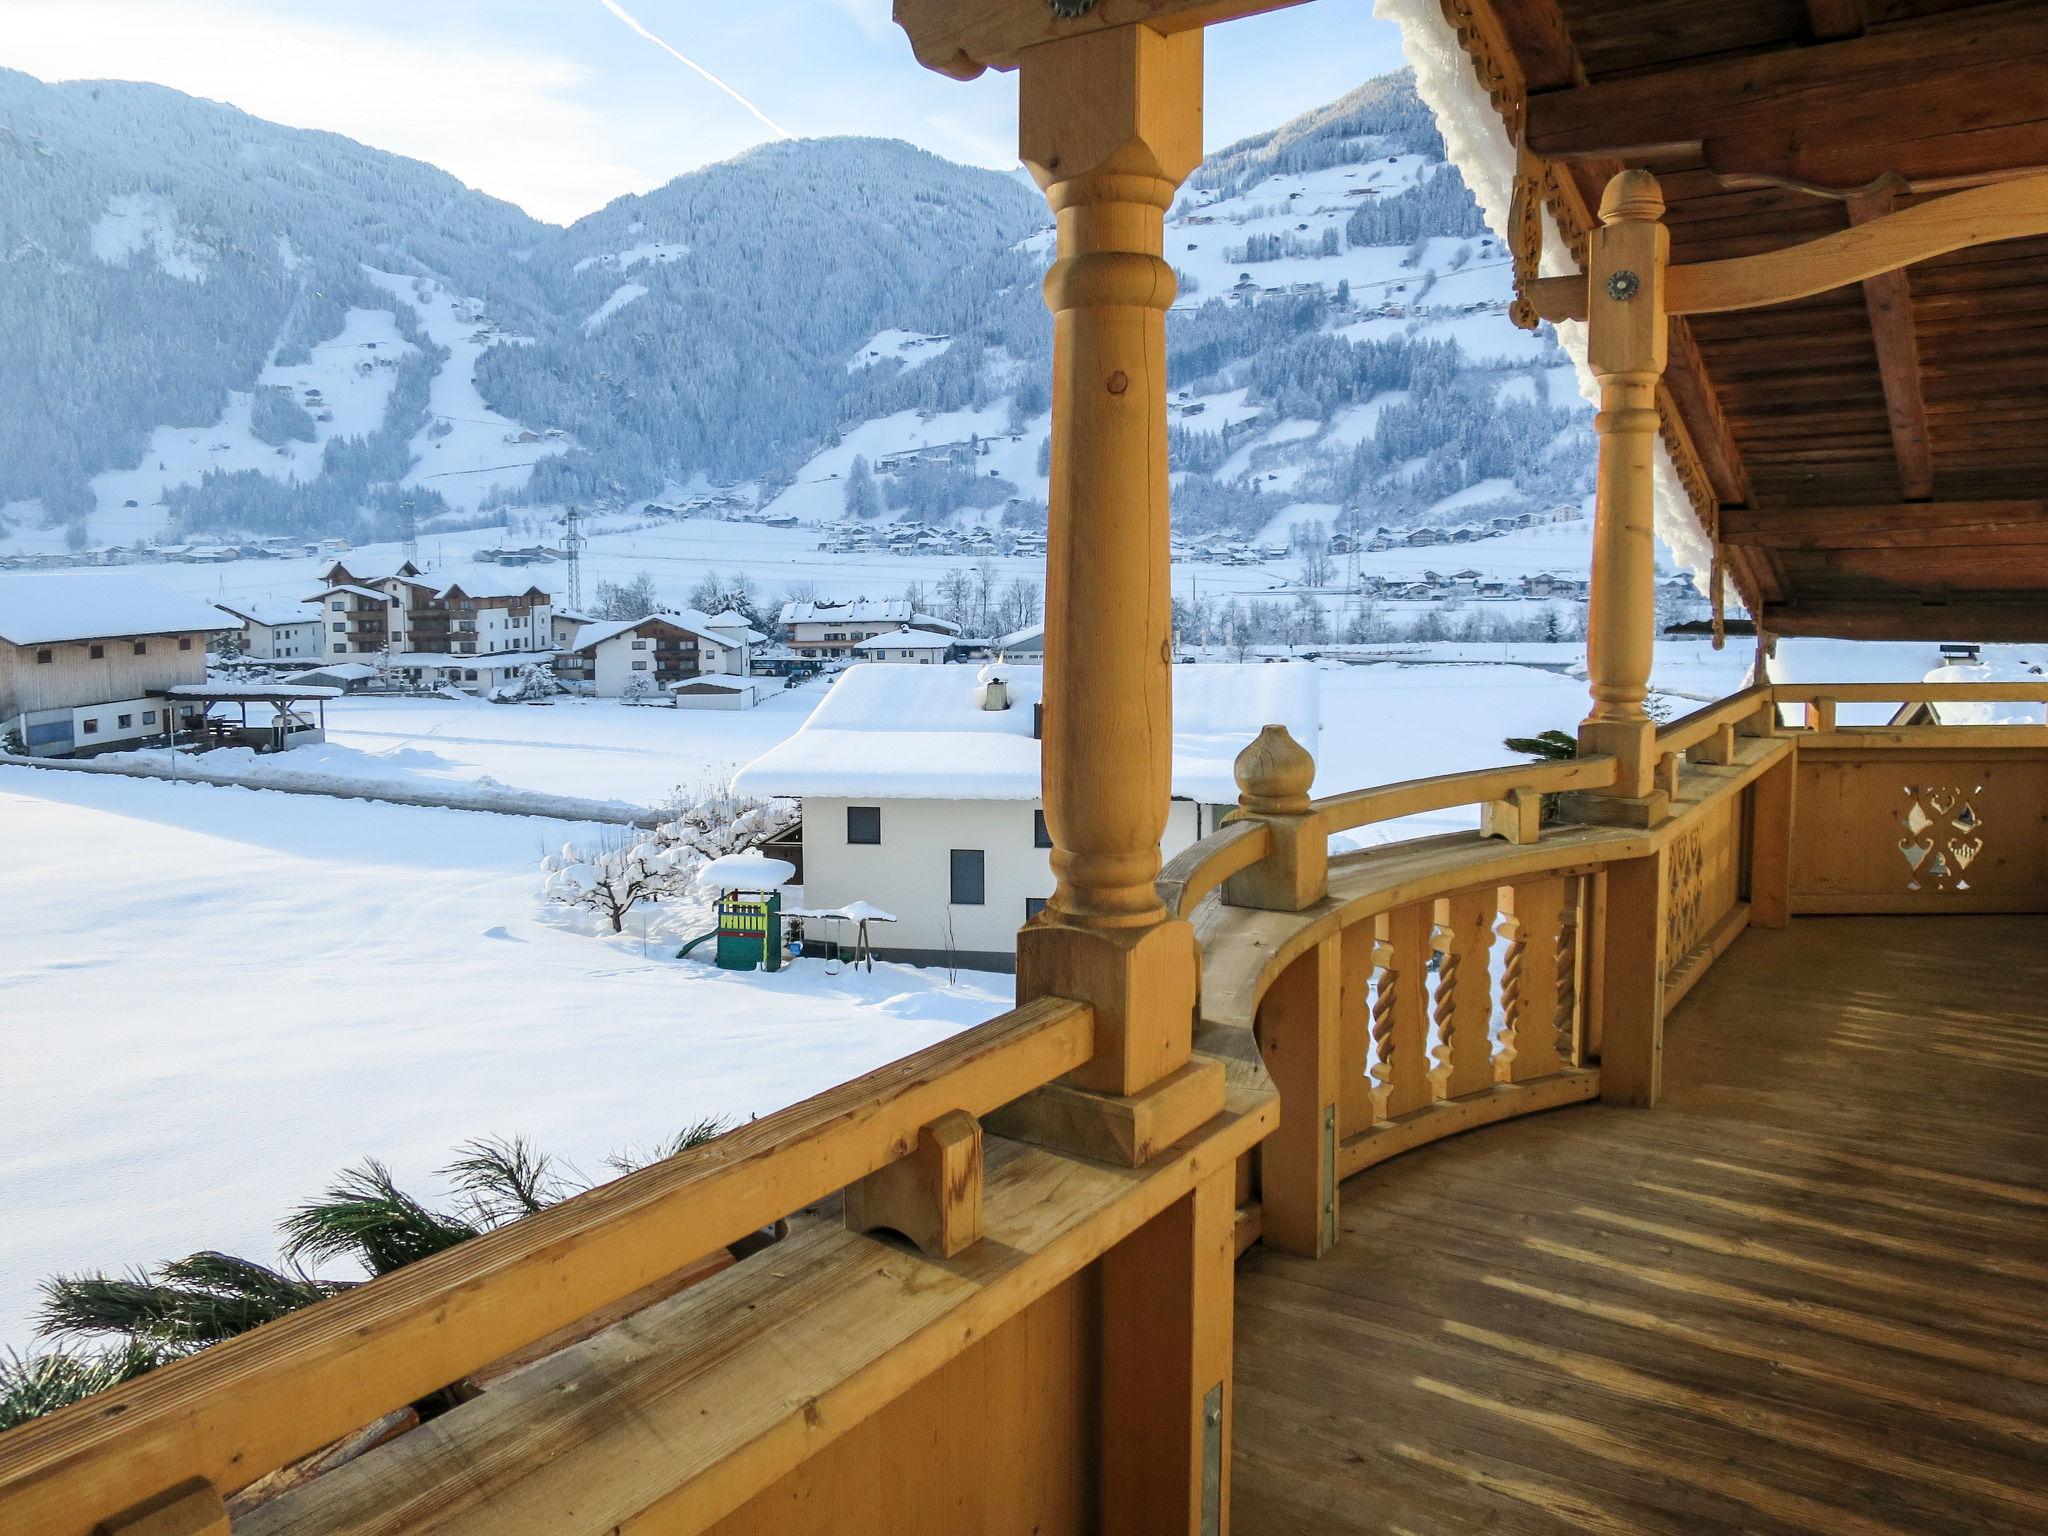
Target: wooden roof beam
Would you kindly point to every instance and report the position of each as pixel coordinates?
(1676, 111)
(1889, 300)
(962, 38)
(1992, 619)
(1898, 525)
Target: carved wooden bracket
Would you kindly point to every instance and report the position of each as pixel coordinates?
(932, 1195)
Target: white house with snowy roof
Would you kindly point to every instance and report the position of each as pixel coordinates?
(919, 647)
(85, 658)
(921, 799)
(276, 630)
(622, 656)
(833, 629)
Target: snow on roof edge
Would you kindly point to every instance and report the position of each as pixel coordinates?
(1476, 142)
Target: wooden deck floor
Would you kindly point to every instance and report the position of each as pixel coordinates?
(1806, 1293)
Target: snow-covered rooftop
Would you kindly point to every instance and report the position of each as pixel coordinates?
(905, 639)
(270, 611)
(264, 692)
(47, 607)
(893, 610)
(691, 622)
(491, 583)
(353, 591)
(1030, 634)
(920, 733)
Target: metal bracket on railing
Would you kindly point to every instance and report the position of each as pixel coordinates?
(1212, 1461)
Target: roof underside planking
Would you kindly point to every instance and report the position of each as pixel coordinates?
(1880, 451)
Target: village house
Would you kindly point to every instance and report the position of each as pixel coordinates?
(475, 631)
(834, 629)
(621, 657)
(490, 613)
(277, 631)
(919, 647)
(920, 790)
(84, 660)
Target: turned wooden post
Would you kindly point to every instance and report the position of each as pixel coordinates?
(1273, 778)
(1110, 124)
(1625, 343)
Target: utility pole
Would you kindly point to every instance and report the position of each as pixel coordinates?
(572, 546)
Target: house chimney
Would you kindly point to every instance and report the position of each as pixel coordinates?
(995, 688)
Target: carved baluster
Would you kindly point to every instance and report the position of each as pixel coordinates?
(1512, 930)
(1384, 980)
(1401, 1012)
(1465, 993)
(1541, 956)
(1444, 1003)
(1570, 956)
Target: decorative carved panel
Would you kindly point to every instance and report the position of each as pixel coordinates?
(1878, 830)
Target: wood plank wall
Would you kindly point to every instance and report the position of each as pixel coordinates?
(1002, 1438)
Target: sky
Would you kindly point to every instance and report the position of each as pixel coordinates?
(563, 105)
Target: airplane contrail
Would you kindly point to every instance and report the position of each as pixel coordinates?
(627, 17)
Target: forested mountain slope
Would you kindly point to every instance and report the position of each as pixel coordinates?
(211, 325)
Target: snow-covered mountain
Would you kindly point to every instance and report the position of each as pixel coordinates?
(213, 325)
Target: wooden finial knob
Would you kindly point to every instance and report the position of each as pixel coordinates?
(1631, 195)
(1274, 773)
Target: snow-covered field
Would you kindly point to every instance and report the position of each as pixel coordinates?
(597, 748)
(217, 998)
(275, 986)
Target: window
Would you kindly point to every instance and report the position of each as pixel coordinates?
(640, 666)
(184, 642)
(125, 722)
(639, 645)
(863, 823)
(1033, 905)
(91, 727)
(1041, 835)
(340, 605)
(98, 652)
(45, 656)
(969, 884)
(142, 647)
(149, 717)
(341, 629)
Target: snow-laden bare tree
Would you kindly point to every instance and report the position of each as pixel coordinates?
(612, 878)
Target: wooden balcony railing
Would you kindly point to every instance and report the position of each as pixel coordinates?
(1363, 1005)
(204, 1427)
(1430, 986)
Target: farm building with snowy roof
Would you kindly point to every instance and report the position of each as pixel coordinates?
(84, 659)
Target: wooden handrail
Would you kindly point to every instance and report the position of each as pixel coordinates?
(1702, 724)
(1200, 867)
(243, 1407)
(1912, 693)
(1482, 786)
